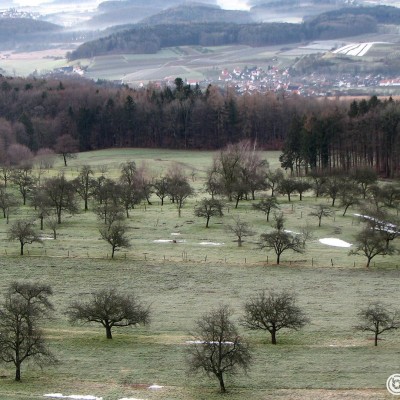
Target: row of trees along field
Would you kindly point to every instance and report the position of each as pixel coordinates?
(237, 173)
(314, 134)
(217, 348)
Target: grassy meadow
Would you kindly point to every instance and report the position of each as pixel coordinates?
(328, 359)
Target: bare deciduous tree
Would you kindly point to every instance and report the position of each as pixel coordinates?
(24, 232)
(217, 349)
(21, 338)
(67, 147)
(377, 318)
(266, 205)
(115, 235)
(370, 243)
(240, 229)
(110, 309)
(61, 195)
(208, 208)
(274, 311)
(320, 211)
(281, 240)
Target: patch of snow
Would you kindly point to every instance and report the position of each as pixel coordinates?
(72, 396)
(295, 233)
(334, 242)
(204, 342)
(175, 234)
(130, 398)
(211, 244)
(168, 241)
(155, 387)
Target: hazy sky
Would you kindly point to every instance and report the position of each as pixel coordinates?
(233, 4)
(227, 4)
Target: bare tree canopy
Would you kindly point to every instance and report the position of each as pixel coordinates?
(240, 229)
(24, 232)
(67, 147)
(281, 240)
(378, 318)
(217, 349)
(115, 235)
(370, 243)
(273, 311)
(320, 211)
(208, 208)
(21, 338)
(110, 309)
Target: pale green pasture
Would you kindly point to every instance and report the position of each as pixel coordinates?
(24, 67)
(182, 280)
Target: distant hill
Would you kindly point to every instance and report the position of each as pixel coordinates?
(150, 38)
(24, 26)
(155, 12)
(198, 13)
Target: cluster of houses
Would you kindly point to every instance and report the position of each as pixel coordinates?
(14, 13)
(255, 79)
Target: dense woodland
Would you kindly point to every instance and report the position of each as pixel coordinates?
(314, 134)
(150, 38)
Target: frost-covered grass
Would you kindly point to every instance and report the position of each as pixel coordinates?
(183, 279)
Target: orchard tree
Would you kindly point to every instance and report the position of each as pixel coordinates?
(7, 202)
(83, 184)
(21, 339)
(320, 211)
(287, 186)
(377, 318)
(365, 177)
(110, 309)
(217, 349)
(24, 232)
(160, 187)
(281, 240)
(208, 208)
(115, 235)
(67, 147)
(179, 190)
(273, 311)
(266, 205)
(24, 180)
(240, 229)
(370, 243)
(61, 195)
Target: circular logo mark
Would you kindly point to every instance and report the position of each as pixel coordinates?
(393, 384)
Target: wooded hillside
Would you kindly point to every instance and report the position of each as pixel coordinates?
(145, 38)
(314, 133)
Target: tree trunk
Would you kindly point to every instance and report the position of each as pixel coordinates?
(221, 382)
(368, 262)
(208, 219)
(240, 241)
(113, 251)
(278, 257)
(22, 249)
(376, 339)
(18, 371)
(108, 332)
(41, 223)
(273, 337)
(65, 160)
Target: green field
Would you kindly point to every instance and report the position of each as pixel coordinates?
(327, 359)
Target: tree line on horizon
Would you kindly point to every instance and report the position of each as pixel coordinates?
(313, 134)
